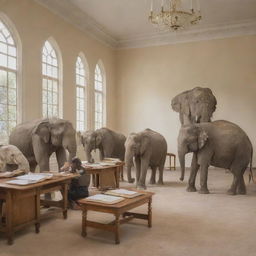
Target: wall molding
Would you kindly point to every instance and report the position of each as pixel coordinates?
(83, 21)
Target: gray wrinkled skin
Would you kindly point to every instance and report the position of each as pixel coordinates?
(195, 106)
(38, 139)
(109, 143)
(148, 148)
(11, 155)
(221, 144)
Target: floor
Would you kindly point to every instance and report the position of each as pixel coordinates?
(184, 224)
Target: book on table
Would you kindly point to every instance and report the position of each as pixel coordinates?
(106, 199)
(123, 193)
(30, 178)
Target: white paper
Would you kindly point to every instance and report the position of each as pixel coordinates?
(103, 198)
(123, 191)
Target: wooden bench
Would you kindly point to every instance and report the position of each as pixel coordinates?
(171, 155)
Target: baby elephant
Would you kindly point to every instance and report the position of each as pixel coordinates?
(11, 155)
(149, 149)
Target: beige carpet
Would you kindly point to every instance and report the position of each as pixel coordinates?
(184, 224)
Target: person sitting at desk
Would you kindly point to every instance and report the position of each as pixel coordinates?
(79, 186)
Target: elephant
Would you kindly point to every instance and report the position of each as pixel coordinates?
(11, 155)
(38, 139)
(195, 106)
(109, 143)
(221, 144)
(148, 148)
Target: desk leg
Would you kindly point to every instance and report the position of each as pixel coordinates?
(150, 213)
(117, 229)
(37, 207)
(9, 224)
(84, 222)
(64, 193)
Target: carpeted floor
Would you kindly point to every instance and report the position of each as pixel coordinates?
(184, 224)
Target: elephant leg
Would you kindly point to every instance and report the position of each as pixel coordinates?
(233, 188)
(161, 173)
(203, 179)
(193, 172)
(61, 157)
(138, 169)
(32, 166)
(153, 175)
(241, 189)
(144, 168)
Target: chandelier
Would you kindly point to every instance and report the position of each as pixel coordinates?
(174, 17)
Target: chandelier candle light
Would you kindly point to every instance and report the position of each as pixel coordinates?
(175, 18)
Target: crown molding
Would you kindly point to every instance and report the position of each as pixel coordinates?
(79, 19)
(216, 31)
(84, 22)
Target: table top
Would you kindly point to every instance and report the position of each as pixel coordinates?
(126, 202)
(89, 168)
(54, 179)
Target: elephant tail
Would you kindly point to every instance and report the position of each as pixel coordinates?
(251, 173)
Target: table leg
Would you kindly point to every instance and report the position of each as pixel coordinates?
(9, 224)
(65, 200)
(84, 222)
(37, 206)
(150, 213)
(117, 229)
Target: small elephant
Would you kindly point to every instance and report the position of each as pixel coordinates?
(109, 143)
(148, 148)
(220, 144)
(38, 139)
(195, 106)
(11, 155)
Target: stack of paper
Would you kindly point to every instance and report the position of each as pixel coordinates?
(111, 160)
(123, 193)
(30, 178)
(106, 199)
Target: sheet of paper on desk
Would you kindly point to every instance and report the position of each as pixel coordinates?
(35, 176)
(123, 192)
(105, 199)
(20, 182)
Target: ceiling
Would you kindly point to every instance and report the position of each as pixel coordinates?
(124, 23)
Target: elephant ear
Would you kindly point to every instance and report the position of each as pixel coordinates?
(43, 131)
(98, 139)
(144, 144)
(202, 138)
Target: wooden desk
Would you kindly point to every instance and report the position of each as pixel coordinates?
(118, 209)
(23, 203)
(98, 172)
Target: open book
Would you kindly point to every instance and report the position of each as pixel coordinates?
(123, 193)
(30, 178)
(106, 199)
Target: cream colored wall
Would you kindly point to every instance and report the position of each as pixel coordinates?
(35, 24)
(149, 78)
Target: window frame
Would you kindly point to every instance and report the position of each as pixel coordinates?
(18, 71)
(86, 91)
(59, 80)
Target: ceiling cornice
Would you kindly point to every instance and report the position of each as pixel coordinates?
(217, 31)
(83, 21)
(79, 19)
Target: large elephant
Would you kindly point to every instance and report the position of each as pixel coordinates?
(109, 143)
(38, 139)
(148, 148)
(10, 155)
(195, 106)
(220, 144)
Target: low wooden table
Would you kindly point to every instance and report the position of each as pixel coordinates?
(98, 172)
(23, 203)
(120, 209)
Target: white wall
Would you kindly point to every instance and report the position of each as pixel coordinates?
(148, 78)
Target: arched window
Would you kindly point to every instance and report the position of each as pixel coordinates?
(51, 81)
(8, 83)
(81, 93)
(99, 97)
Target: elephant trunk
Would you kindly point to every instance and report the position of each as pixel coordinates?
(88, 154)
(182, 164)
(72, 151)
(128, 164)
